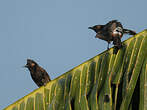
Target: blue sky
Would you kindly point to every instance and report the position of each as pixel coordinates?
(55, 34)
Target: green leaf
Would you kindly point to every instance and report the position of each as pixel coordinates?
(106, 82)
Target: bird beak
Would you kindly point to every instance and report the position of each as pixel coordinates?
(26, 66)
(90, 28)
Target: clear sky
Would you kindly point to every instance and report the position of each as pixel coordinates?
(55, 34)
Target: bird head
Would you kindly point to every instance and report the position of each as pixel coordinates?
(96, 28)
(31, 64)
(91, 28)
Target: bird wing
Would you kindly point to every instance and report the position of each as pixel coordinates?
(112, 25)
(103, 36)
(111, 22)
(45, 75)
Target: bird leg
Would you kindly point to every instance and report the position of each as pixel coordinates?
(117, 42)
(108, 46)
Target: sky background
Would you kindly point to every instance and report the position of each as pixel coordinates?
(55, 34)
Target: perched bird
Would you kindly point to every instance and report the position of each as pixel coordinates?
(112, 31)
(38, 74)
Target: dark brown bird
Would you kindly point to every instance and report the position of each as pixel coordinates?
(112, 31)
(38, 74)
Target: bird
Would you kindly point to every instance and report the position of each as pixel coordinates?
(111, 31)
(38, 74)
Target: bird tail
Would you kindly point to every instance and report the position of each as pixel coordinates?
(130, 32)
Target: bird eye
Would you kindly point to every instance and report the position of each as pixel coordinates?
(33, 64)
